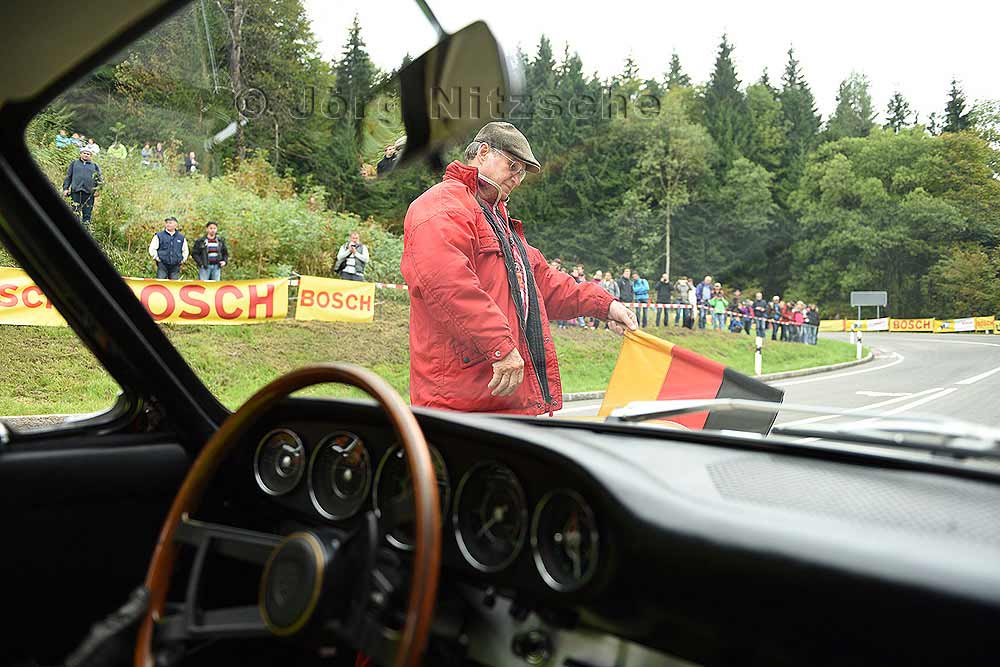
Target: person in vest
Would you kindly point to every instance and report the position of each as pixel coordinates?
(351, 259)
(210, 253)
(169, 249)
(83, 178)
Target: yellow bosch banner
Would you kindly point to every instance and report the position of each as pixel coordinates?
(180, 302)
(917, 325)
(985, 323)
(217, 302)
(331, 300)
(22, 302)
(833, 325)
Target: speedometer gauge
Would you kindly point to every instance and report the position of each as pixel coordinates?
(490, 516)
(339, 475)
(564, 540)
(279, 462)
(393, 495)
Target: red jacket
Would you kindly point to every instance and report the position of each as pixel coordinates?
(462, 314)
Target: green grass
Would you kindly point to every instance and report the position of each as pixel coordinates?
(46, 370)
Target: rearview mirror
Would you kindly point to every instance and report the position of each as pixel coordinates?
(437, 100)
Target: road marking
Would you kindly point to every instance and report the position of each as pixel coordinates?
(818, 378)
(976, 378)
(883, 393)
(895, 411)
(844, 413)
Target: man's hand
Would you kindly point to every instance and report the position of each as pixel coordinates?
(66, 192)
(221, 263)
(508, 373)
(621, 317)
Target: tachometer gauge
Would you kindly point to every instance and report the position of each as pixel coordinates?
(490, 516)
(340, 472)
(564, 540)
(393, 495)
(279, 462)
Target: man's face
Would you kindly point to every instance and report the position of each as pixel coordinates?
(170, 226)
(212, 230)
(626, 273)
(502, 168)
(85, 156)
(355, 238)
(664, 278)
(708, 280)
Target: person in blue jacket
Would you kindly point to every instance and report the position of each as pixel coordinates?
(640, 289)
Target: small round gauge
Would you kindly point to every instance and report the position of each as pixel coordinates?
(490, 516)
(279, 462)
(393, 494)
(340, 473)
(564, 540)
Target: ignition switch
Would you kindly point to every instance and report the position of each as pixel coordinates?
(534, 647)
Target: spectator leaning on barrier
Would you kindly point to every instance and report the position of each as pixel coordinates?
(210, 253)
(663, 293)
(689, 313)
(760, 313)
(480, 296)
(352, 259)
(681, 288)
(147, 155)
(609, 285)
(625, 286)
(774, 312)
(812, 318)
(718, 304)
(83, 179)
(640, 290)
(703, 294)
(169, 249)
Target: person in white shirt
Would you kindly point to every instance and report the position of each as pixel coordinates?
(351, 259)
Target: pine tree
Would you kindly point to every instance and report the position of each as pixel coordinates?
(854, 114)
(765, 80)
(799, 107)
(897, 113)
(356, 73)
(676, 76)
(726, 114)
(956, 118)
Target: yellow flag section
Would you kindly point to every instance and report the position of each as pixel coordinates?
(217, 302)
(331, 300)
(22, 302)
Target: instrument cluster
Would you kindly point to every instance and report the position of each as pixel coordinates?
(492, 519)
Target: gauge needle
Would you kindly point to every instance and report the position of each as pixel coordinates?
(498, 514)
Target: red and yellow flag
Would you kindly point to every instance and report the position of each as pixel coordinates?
(653, 369)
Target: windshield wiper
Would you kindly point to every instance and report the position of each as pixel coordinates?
(932, 434)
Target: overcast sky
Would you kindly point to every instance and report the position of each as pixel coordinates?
(915, 48)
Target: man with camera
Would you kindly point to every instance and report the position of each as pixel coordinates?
(351, 259)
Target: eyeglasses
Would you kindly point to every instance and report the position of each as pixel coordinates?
(519, 170)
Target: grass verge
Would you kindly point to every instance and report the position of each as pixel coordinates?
(47, 370)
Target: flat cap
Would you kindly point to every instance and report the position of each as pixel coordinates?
(509, 139)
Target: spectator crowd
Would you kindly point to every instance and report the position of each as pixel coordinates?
(707, 305)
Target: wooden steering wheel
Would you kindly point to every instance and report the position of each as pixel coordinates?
(302, 546)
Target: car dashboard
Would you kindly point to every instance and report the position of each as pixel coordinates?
(592, 545)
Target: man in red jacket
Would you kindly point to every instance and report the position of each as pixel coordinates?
(480, 296)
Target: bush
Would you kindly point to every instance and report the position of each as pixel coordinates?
(271, 228)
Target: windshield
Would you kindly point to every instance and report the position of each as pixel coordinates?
(752, 203)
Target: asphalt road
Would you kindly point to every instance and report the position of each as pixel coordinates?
(954, 375)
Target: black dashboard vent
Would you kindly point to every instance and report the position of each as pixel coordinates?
(914, 502)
